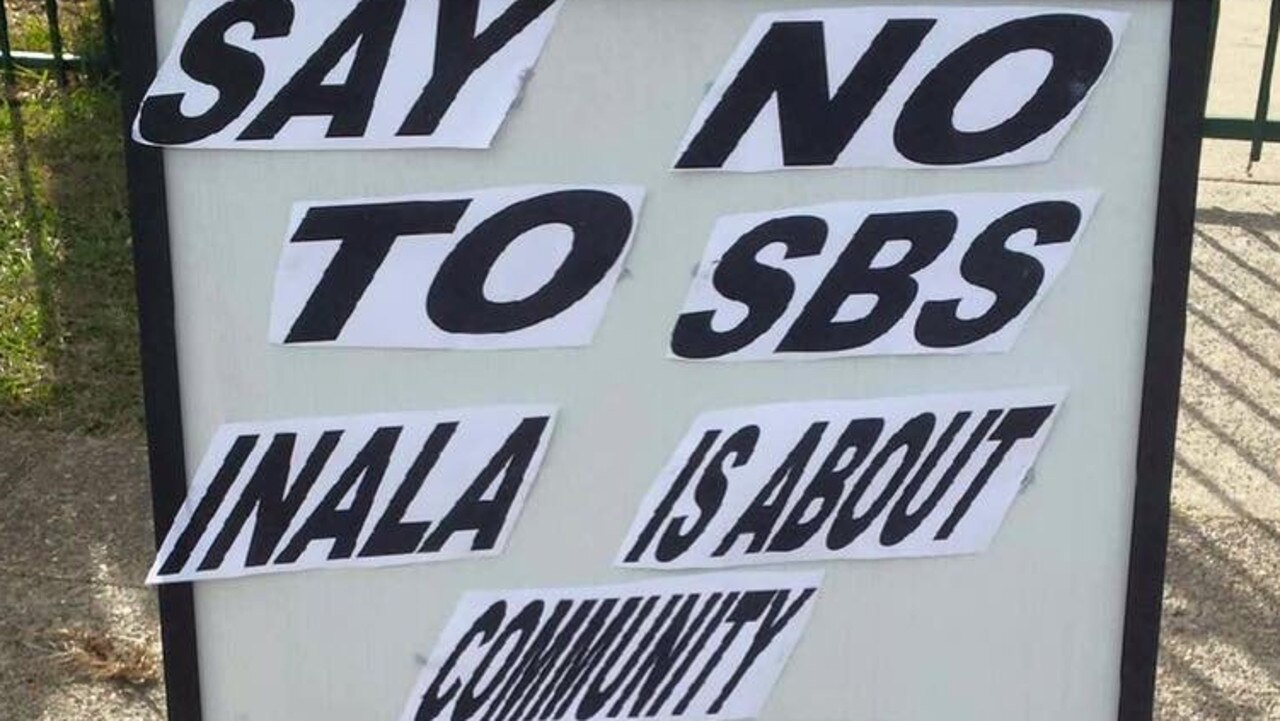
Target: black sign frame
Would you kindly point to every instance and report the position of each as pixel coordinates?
(1175, 215)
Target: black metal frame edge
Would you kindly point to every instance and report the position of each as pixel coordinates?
(1166, 329)
(148, 210)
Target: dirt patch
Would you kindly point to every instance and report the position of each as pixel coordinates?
(75, 541)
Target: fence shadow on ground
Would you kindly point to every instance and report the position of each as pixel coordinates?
(1220, 653)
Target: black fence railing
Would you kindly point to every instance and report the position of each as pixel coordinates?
(55, 57)
(1260, 128)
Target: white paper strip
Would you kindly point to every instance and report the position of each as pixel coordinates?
(697, 647)
(525, 267)
(947, 274)
(896, 477)
(371, 490)
(337, 74)
(901, 87)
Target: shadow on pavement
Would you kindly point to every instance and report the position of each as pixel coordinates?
(1220, 652)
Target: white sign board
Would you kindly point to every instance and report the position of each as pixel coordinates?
(885, 297)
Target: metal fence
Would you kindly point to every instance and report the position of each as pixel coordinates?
(1260, 128)
(55, 57)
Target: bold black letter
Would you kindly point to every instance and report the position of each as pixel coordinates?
(433, 702)
(827, 485)
(601, 223)
(764, 290)
(366, 233)
(460, 52)
(209, 504)
(1014, 277)
(487, 518)
(790, 61)
(752, 605)
(540, 658)
(525, 622)
(902, 521)
(760, 517)
(928, 232)
(327, 520)
(1017, 425)
(691, 465)
(392, 536)
(209, 59)
(708, 494)
(602, 688)
(265, 493)
(369, 28)
(658, 671)
(774, 622)
(1080, 47)
(911, 437)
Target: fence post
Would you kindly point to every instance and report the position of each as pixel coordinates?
(9, 78)
(1264, 87)
(107, 17)
(1215, 10)
(55, 40)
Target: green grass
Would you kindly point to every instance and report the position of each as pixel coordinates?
(68, 347)
(78, 20)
